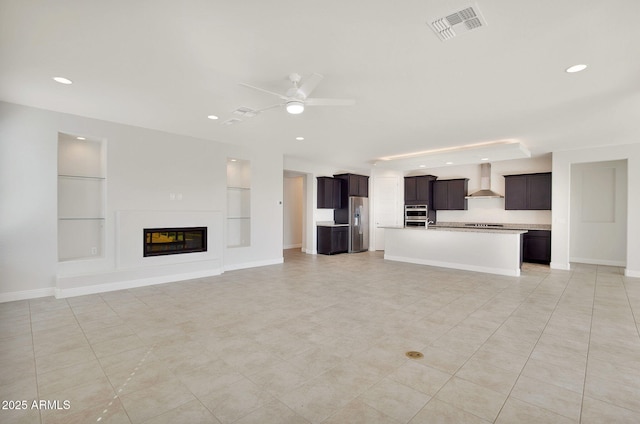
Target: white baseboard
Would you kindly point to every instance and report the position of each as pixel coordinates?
(560, 265)
(121, 280)
(133, 283)
(245, 265)
(591, 261)
(292, 246)
(464, 267)
(631, 273)
(26, 294)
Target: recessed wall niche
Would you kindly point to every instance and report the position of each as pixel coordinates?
(238, 203)
(81, 197)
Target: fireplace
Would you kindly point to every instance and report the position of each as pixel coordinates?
(173, 241)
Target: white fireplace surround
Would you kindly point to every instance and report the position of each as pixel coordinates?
(132, 269)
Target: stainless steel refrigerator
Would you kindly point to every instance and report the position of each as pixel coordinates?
(358, 224)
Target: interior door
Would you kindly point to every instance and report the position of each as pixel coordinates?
(387, 210)
(598, 213)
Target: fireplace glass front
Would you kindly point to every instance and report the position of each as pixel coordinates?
(173, 241)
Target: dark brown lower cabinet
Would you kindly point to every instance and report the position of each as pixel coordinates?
(332, 240)
(536, 246)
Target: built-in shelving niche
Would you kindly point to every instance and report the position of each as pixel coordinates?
(81, 197)
(238, 203)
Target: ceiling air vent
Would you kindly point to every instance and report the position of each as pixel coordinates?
(245, 112)
(231, 121)
(458, 23)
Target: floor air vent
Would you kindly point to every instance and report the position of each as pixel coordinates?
(458, 22)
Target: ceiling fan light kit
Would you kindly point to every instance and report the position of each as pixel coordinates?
(295, 107)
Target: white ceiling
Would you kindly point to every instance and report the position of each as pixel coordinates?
(166, 65)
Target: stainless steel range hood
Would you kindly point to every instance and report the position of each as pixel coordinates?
(485, 191)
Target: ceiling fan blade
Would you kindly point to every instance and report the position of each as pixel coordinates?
(329, 102)
(265, 91)
(310, 84)
(270, 107)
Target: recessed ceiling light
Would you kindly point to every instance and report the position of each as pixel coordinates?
(299, 138)
(484, 159)
(80, 138)
(62, 80)
(422, 166)
(449, 163)
(233, 160)
(576, 68)
(214, 117)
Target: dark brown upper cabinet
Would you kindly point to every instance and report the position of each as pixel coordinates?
(356, 185)
(418, 190)
(329, 193)
(527, 191)
(450, 195)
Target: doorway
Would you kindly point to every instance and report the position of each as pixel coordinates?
(293, 211)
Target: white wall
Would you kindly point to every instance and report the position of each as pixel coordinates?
(143, 168)
(599, 213)
(292, 214)
(492, 210)
(561, 225)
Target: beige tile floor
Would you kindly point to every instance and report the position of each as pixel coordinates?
(322, 339)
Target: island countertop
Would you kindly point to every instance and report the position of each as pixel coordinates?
(493, 225)
(459, 229)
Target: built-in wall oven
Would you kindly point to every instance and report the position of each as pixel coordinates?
(416, 216)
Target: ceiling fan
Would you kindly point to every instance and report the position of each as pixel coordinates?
(297, 97)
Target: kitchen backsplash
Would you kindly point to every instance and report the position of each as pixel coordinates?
(492, 211)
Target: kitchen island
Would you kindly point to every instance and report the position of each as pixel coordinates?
(495, 251)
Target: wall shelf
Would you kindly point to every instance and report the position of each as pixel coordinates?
(81, 197)
(81, 177)
(238, 203)
(80, 219)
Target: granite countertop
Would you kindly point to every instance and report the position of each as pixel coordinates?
(492, 226)
(330, 224)
(461, 229)
(478, 230)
